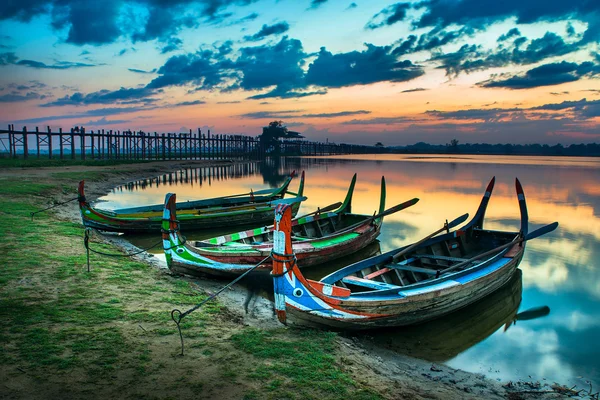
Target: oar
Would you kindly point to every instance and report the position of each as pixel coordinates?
(447, 226)
(389, 211)
(538, 232)
(330, 207)
(532, 313)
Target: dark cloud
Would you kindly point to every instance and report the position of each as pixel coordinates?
(334, 115)
(278, 65)
(493, 114)
(413, 90)
(406, 46)
(98, 112)
(103, 97)
(247, 18)
(229, 102)
(11, 58)
(16, 97)
(546, 75)
(562, 106)
(204, 68)
(296, 114)
(511, 33)
(189, 103)
(377, 121)
(272, 114)
(172, 45)
(103, 22)
(268, 30)
(317, 3)
(389, 16)
(279, 68)
(141, 71)
(471, 58)
(375, 64)
(351, 6)
(103, 121)
(286, 93)
(474, 12)
(580, 109)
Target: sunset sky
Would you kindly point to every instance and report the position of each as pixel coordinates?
(479, 71)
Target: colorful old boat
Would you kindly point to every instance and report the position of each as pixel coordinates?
(235, 210)
(409, 285)
(316, 238)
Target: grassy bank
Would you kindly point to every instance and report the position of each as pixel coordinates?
(69, 333)
(57, 162)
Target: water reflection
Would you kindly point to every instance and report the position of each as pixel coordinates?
(444, 338)
(559, 270)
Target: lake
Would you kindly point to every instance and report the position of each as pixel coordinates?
(560, 270)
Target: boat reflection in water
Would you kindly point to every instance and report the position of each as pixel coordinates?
(446, 337)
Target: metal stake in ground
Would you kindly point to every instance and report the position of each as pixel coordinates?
(181, 315)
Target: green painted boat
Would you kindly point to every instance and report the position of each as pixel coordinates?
(318, 237)
(236, 210)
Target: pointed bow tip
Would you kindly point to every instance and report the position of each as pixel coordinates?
(518, 186)
(490, 185)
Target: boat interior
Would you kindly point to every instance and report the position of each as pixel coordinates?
(426, 262)
(324, 225)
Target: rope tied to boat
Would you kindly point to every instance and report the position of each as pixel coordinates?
(180, 315)
(86, 243)
(288, 259)
(55, 205)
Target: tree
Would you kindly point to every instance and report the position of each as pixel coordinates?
(379, 144)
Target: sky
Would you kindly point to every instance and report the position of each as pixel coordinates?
(398, 73)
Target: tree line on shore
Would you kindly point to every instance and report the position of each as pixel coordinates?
(590, 150)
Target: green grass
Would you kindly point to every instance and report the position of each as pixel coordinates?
(58, 320)
(55, 162)
(301, 360)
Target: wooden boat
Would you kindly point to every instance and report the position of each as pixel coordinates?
(235, 210)
(430, 278)
(316, 238)
(444, 338)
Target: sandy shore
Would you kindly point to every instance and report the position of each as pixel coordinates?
(393, 375)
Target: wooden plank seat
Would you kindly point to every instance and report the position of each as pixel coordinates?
(426, 271)
(355, 280)
(443, 258)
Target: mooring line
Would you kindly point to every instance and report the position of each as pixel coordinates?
(197, 306)
(51, 207)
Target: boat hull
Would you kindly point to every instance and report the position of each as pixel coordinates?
(189, 219)
(236, 263)
(409, 310)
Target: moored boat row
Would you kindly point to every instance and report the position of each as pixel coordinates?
(445, 271)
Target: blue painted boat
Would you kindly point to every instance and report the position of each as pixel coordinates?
(437, 275)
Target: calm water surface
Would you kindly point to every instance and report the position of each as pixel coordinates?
(559, 270)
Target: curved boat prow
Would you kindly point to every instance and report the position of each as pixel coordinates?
(283, 258)
(83, 204)
(477, 221)
(346, 206)
(522, 208)
(81, 193)
(382, 196)
(301, 185)
(170, 227)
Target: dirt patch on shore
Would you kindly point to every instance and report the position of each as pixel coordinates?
(392, 375)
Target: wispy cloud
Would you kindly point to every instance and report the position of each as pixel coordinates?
(11, 58)
(269, 30)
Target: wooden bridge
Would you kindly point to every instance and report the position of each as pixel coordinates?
(78, 143)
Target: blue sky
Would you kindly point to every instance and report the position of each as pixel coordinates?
(358, 72)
